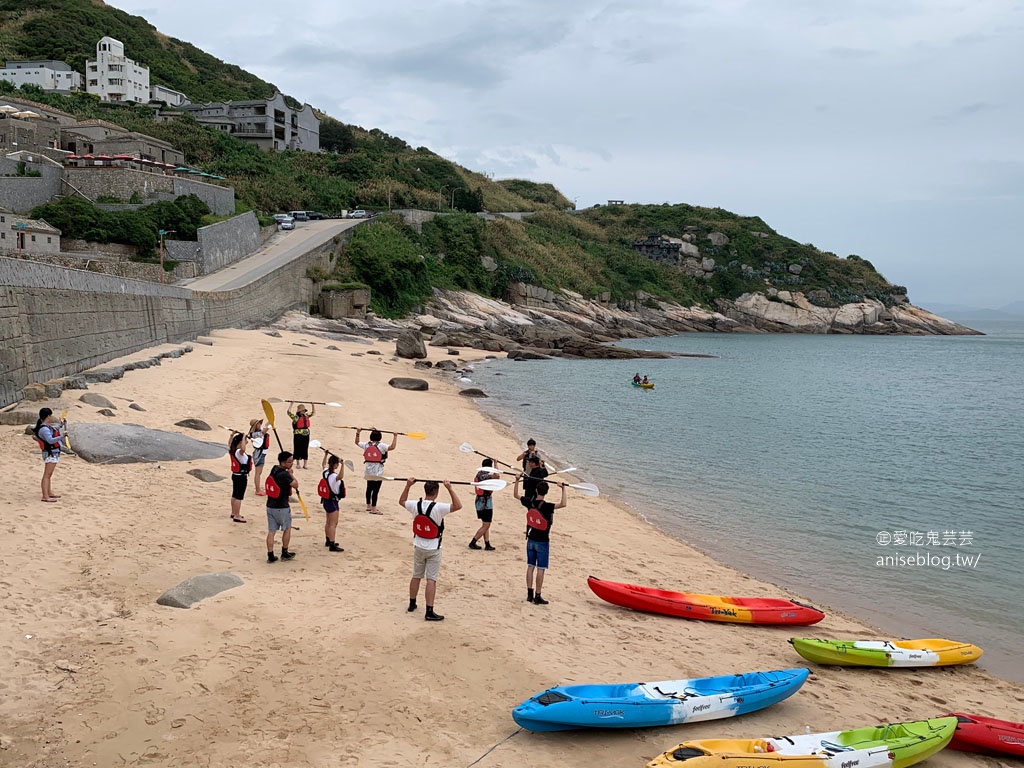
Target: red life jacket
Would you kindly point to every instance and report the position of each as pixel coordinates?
(373, 455)
(43, 445)
(323, 488)
(274, 491)
(301, 422)
(237, 468)
(535, 520)
(423, 524)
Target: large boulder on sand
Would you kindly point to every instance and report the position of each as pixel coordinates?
(410, 346)
(131, 444)
(197, 424)
(95, 398)
(416, 385)
(197, 588)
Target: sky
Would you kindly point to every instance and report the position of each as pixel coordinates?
(894, 131)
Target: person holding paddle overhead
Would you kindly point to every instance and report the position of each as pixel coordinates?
(279, 486)
(300, 432)
(240, 466)
(427, 528)
(374, 456)
(259, 436)
(484, 507)
(540, 516)
(535, 473)
(530, 452)
(331, 489)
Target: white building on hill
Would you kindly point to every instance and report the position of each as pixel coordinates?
(113, 76)
(47, 74)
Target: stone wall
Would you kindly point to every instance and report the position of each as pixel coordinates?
(115, 266)
(23, 193)
(122, 183)
(228, 241)
(56, 322)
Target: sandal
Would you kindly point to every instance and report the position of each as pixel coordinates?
(375, 512)
(239, 519)
(52, 501)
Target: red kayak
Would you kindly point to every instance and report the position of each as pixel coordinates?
(688, 605)
(975, 733)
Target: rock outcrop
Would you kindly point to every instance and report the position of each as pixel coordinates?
(131, 443)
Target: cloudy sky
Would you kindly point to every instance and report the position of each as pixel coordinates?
(890, 130)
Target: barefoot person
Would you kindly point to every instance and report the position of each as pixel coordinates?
(375, 453)
(280, 484)
(540, 516)
(259, 436)
(428, 528)
(331, 490)
(300, 432)
(241, 464)
(48, 437)
(484, 507)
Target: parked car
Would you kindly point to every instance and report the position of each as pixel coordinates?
(358, 213)
(286, 223)
(315, 215)
(279, 217)
(299, 215)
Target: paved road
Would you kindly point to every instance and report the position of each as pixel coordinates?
(283, 247)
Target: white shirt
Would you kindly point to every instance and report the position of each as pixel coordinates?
(437, 514)
(374, 468)
(335, 482)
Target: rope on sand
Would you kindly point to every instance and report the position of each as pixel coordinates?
(485, 754)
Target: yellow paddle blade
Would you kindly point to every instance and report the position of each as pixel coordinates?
(303, 505)
(268, 410)
(415, 435)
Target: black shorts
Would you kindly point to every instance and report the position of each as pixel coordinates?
(238, 485)
(485, 515)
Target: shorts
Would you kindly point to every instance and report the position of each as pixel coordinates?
(330, 505)
(259, 458)
(279, 518)
(239, 482)
(50, 458)
(537, 554)
(485, 515)
(426, 563)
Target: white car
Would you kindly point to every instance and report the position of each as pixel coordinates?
(358, 213)
(286, 222)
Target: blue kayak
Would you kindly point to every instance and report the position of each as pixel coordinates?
(668, 702)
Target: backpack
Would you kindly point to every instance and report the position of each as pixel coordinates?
(535, 520)
(373, 455)
(323, 488)
(237, 468)
(423, 524)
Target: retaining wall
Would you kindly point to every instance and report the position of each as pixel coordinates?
(23, 193)
(56, 321)
(122, 183)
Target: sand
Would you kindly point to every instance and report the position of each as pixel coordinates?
(316, 662)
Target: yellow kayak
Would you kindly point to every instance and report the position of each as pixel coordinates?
(930, 652)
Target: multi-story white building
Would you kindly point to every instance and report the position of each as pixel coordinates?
(47, 74)
(169, 96)
(113, 76)
(270, 124)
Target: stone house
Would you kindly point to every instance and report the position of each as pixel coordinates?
(24, 235)
(270, 124)
(31, 127)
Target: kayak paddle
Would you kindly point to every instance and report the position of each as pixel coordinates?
(268, 410)
(412, 435)
(484, 485)
(316, 402)
(316, 444)
(467, 448)
(64, 423)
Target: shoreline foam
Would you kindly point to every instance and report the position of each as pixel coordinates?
(315, 662)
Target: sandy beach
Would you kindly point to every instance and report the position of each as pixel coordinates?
(315, 662)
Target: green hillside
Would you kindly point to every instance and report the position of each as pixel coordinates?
(590, 252)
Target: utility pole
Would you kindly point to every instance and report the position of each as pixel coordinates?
(162, 233)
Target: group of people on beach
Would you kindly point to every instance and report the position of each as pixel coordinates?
(428, 512)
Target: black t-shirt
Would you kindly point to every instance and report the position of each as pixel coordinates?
(530, 481)
(547, 511)
(284, 479)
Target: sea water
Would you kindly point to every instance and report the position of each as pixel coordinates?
(877, 475)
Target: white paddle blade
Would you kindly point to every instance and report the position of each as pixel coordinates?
(587, 489)
(562, 471)
(333, 405)
(490, 485)
(350, 466)
(495, 470)
(466, 448)
(314, 443)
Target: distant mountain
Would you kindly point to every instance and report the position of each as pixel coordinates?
(1015, 308)
(961, 312)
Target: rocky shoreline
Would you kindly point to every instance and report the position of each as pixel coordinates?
(572, 326)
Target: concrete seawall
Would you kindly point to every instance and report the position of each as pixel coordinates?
(56, 321)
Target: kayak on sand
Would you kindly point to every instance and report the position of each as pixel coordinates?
(931, 652)
(987, 735)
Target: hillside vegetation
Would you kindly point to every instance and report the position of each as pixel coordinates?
(589, 252)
